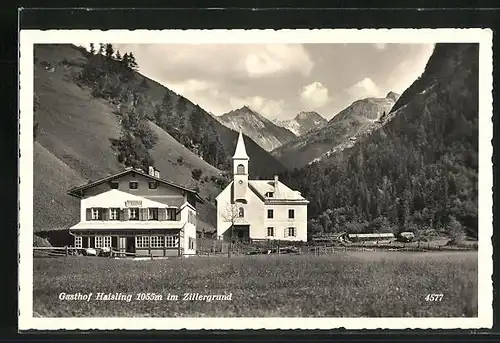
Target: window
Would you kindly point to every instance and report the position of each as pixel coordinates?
(157, 241)
(191, 243)
(270, 214)
(78, 241)
(192, 217)
(171, 241)
(241, 212)
(142, 241)
(102, 241)
(270, 194)
(96, 214)
(291, 214)
(171, 213)
(290, 232)
(133, 185)
(133, 213)
(114, 213)
(152, 213)
(107, 241)
(114, 185)
(240, 169)
(153, 185)
(270, 231)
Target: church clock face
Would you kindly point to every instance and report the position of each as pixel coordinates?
(240, 182)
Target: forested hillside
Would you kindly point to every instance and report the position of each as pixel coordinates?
(419, 172)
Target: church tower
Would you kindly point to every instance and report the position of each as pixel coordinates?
(240, 170)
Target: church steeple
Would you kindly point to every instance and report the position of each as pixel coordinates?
(240, 169)
(240, 152)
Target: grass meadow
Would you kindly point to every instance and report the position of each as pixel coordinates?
(353, 284)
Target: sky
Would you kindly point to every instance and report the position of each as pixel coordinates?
(280, 80)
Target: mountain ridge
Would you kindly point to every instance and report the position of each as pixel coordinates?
(261, 130)
(419, 171)
(303, 122)
(352, 121)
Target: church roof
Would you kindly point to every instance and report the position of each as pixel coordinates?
(281, 193)
(240, 151)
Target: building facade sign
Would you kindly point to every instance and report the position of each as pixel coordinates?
(133, 203)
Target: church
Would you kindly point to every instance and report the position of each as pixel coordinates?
(259, 209)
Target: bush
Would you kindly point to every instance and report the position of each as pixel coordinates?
(196, 173)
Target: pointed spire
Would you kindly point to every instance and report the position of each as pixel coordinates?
(240, 152)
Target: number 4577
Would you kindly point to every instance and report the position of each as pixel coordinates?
(434, 297)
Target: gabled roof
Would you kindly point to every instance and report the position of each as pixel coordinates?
(76, 190)
(281, 193)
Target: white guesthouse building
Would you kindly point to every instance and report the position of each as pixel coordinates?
(259, 209)
(136, 213)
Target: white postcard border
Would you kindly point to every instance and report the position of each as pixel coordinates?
(27, 321)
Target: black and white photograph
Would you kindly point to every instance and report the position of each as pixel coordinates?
(249, 179)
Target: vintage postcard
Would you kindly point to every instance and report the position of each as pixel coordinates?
(255, 179)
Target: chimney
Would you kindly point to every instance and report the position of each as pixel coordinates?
(276, 182)
(157, 174)
(151, 170)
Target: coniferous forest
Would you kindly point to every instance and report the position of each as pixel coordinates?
(417, 173)
(112, 76)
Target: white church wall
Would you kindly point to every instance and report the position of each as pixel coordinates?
(280, 222)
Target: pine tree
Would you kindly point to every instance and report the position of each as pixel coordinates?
(125, 60)
(132, 64)
(92, 49)
(101, 49)
(118, 56)
(109, 50)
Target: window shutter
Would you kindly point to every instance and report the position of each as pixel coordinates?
(105, 213)
(162, 214)
(286, 232)
(143, 214)
(120, 214)
(178, 215)
(88, 213)
(126, 214)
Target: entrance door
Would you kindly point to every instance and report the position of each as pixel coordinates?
(131, 244)
(122, 246)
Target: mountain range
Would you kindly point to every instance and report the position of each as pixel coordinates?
(406, 162)
(302, 123)
(260, 129)
(417, 169)
(356, 120)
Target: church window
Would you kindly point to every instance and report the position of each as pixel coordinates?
(240, 169)
(241, 212)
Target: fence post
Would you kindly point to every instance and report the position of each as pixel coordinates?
(66, 250)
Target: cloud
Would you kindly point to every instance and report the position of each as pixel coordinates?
(267, 107)
(364, 88)
(314, 95)
(218, 101)
(220, 61)
(276, 59)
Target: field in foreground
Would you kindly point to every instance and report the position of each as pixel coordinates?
(367, 284)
